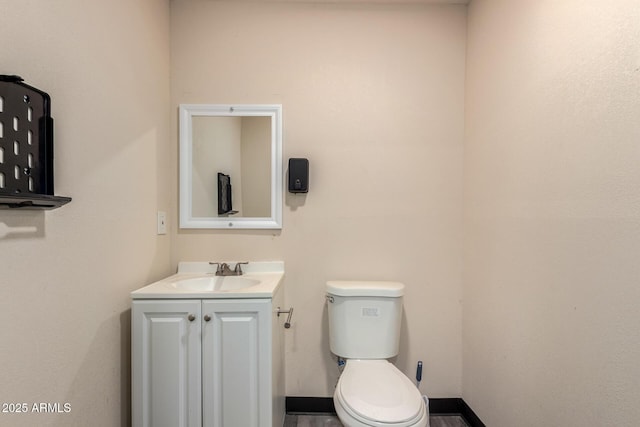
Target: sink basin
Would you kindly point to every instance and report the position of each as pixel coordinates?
(215, 283)
(197, 280)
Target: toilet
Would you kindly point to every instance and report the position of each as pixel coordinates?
(364, 329)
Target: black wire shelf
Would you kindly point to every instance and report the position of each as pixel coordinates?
(26, 147)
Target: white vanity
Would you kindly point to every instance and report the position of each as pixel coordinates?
(207, 350)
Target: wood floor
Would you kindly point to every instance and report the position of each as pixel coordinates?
(324, 420)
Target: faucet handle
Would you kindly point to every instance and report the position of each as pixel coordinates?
(238, 268)
(220, 268)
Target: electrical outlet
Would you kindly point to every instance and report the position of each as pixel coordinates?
(162, 222)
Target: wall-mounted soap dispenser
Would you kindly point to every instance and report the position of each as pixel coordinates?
(298, 175)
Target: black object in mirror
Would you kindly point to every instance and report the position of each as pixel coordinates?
(224, 195)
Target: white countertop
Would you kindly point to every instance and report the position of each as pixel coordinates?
(268, 274)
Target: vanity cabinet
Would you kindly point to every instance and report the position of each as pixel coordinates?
(207, 363)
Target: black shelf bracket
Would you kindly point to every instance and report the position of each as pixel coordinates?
(26, 147)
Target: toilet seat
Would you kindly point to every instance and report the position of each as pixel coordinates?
(376, 393)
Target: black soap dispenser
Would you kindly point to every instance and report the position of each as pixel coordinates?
(298, 175)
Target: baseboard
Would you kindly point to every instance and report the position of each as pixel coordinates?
(456, 406)
(311, 405)
(437, 406)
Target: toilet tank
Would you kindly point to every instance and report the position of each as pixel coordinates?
(364, 318)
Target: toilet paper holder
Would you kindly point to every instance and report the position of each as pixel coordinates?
(287, 323)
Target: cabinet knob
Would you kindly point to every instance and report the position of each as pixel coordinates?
(191, 317)
(207, 317)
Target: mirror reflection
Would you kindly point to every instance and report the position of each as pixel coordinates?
(231, 166)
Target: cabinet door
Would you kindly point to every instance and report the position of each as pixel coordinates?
(236, 363)
(166, 368)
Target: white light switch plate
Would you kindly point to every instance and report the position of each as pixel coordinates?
(162, 222)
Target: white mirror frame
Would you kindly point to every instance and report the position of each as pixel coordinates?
(187, 112)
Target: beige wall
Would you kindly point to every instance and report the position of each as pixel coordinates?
(256, 166)
(64, 288)
(373, 96)
(552, 220)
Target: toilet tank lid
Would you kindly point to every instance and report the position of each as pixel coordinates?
(359, 288)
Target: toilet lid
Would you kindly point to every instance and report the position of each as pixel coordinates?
(378, 391)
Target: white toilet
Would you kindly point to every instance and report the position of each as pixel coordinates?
(364, 329)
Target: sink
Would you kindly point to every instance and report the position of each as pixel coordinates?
(215, 283)
(197, 279)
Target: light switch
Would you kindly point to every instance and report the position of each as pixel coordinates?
(162, 222)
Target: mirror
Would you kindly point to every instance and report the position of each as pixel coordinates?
(230, 166)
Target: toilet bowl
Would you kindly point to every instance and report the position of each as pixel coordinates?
(374, 393)
(364, 329)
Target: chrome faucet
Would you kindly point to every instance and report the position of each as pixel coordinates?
(224, 269)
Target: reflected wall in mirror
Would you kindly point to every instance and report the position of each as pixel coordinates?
(230, 166)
